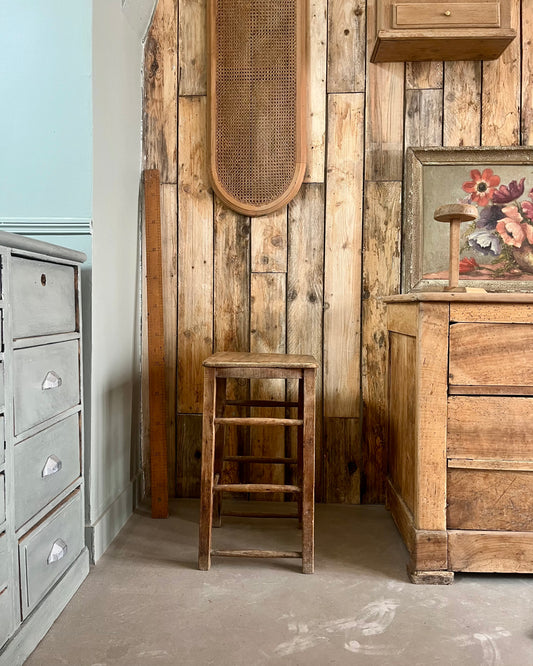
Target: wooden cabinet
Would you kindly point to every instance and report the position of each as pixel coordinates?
(460, 453)
(43, 558)
(453, 30)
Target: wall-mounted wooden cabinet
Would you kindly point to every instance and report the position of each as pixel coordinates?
(453, 30)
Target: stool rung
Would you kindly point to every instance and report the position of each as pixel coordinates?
(259, 459)
(262, 514)
(255, 488)
(261, 403)
(256, 553)
(257, 421)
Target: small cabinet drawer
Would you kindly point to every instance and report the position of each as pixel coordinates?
(46, 382)
(490, 355)
(45, 465)
(446, 15)
(2, 499)
(48, 550)
(481, 499)
(43, 298)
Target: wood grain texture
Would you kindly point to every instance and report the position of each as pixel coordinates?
(305, 298)
(462, 104)
(500, 117)
(269, 243)
(342, 460)
(195, 260)
(381, 242)
(342, 280)
(160, 92)
(489, 427)
(316, 91)
(489, 312)
(476, 550)
(346, 46)
(188, 454)
(192, 41)
(424, 75)
(423, 117)
(527, 73)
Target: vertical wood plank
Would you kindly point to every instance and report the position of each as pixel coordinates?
(305, 297)
(160, 92)
(500, 121)
(346, 46)
(192, 47)
(423, 75)
(342, 281)
(462, 104)
(232, 315)
(316, 91)
(342, 460)
(269, 243)
(195, 259)
(169, 246)
(527, 72)
(382, 243)
(267, 334)
(188, 454)
(423, 118)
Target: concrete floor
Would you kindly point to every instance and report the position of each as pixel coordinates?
(145, 603)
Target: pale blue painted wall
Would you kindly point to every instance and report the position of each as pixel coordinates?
(45, 110)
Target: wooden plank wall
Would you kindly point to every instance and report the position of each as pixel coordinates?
(310, 277)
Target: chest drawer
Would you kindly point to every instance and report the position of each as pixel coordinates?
(4, 569)
(2, 440)
(491, 355)
(45, 465)
(446, 15)
(46, 382)
(43, 298)
(48, 550)
(2, 499)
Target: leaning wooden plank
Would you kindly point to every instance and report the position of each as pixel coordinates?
(462, 104)
(305, 297)
(382, 234)
(316, 91)
(269, 242)
(160, 92)
(342, 281)
(500, 118)
(195, 258)
(192, 78)
(267, 334)
(346, 46)
(527, 72)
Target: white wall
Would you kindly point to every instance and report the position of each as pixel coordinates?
(117, 115)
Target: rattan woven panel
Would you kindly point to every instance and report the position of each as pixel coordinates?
(256, 102)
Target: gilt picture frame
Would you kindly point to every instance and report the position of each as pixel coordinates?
(495, 248)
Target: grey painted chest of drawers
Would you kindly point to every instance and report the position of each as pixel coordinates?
(43, 558)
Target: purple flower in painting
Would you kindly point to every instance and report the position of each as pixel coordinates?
(485, 241)
(507, 193)
(489, 216)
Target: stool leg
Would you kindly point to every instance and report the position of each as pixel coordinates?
(299, 450)
(219, 448)
(208, 460)
(308, 473)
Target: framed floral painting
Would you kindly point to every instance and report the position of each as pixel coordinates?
(496, 248)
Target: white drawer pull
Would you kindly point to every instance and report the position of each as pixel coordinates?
(59, 550)
(51, 381)
(51, 466)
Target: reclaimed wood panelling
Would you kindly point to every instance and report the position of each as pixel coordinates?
(381, 247)
(346, 46)
(423, 117)
(423, 75)
(269, 243)
(500, 110)
(305, 291)
(462, 104)
(527, 73)
(160, 92)
(342, 460)
(195, 258)
(189, 454)
(192, 75)
(316, 90)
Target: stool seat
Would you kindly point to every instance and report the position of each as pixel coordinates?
(248, 365)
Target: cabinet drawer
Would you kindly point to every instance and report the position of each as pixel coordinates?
(46, 382)
(2, 399)
(491, 355)
(490, 500)
(2, 499)
(2, 440)
(43, 298)
(6, 619)
(446, 15)
(4, 568)
(45, 465)
(48, 550)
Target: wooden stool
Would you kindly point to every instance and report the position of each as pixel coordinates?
(217, 369)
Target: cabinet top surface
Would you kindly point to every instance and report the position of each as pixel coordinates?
(18, 242)
(459, 297)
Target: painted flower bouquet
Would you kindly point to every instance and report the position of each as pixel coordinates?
(504, 228)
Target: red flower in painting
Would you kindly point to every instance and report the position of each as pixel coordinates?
(482, 186)
(528, 231)
(511, 232)
(468, 264)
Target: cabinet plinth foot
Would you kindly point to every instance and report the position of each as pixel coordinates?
(430, 577)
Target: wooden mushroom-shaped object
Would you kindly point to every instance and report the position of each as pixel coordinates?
(454, 214)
